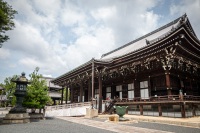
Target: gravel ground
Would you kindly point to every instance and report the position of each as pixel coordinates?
(50, 126)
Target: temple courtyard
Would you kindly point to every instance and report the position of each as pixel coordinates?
(100, 124)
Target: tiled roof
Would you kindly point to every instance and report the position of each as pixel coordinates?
(142, 41)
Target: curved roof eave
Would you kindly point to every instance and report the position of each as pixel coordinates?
(100, 61)
(140, 42)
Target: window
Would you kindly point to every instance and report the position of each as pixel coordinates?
(108, 89)
(108, 95)
(108, 92)
(130, 86)
(144, 92)
(96, 91)
(130, 94)
(131, 90)
(119, 88)
(144, 84)
(96, 96)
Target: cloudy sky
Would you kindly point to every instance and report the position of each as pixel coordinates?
(58, 35)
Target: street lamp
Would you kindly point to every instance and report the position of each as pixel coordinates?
(20, 92)
(18, 113)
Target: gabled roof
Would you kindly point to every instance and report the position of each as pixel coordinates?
(132, 47)
(146, 39)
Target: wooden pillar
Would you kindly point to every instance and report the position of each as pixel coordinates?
(89, 90)
(100, 92)
(193, 110)
(168, 85)
(81, 92)
(190, 87)
(149, 86)
(183, 110)
(66, 94)
(62, 96)
(71, 94)
(159, 109)
(92, 83)
(141, 109)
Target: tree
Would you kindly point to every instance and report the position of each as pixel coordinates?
(37, 92)
(10, 88)
(6, 20)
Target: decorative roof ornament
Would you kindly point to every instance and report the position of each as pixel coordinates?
(172, 28)
(183, 18)
(147, 42)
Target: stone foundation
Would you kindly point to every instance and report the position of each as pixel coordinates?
(90, 113)
(16, 118)
(36, 116)
(114, 118)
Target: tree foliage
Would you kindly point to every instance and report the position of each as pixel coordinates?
(6, 20)
(37, 92)
(10, 88)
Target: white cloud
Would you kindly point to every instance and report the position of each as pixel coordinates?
(29, 40)
(70, 17)
(104, 13)
(47, 75)
(60, 35)
(127, 20)
(31, 63)
(4, 53)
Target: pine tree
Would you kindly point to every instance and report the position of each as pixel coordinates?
(37, 92)
(6, 20)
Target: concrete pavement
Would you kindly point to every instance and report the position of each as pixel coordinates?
(190, 122)
(110, 126)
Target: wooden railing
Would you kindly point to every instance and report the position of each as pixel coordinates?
(161, 98)
(66, 106)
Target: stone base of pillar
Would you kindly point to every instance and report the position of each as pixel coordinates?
(90, 113)
(114, 118)
(16, 118)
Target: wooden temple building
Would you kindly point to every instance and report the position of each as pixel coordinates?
(54, 91)
(158, 72)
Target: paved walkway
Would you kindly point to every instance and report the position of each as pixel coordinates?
(190, 122)
(115, 127)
